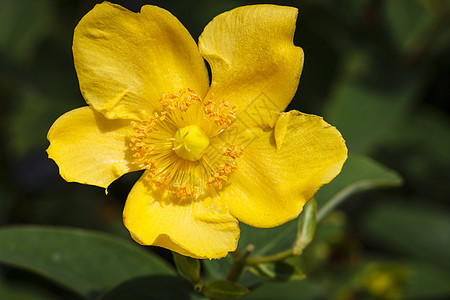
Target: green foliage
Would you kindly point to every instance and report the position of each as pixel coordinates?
(268, 240)
(365, 113)
(417, 231)
(305, 290)
(224, 290)
(152, 287)
(278, 271)
(22, 292)
(359, 173)
(83, 261)
(187, 267)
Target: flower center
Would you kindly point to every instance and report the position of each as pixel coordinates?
(186, 147)
(190, 142)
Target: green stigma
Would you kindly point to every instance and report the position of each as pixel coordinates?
(190, 142)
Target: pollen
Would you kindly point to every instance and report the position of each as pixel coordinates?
(183, 147)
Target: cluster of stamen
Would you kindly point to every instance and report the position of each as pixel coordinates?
(153, 149)
(140, 148)
(179, 100)
(222, 114)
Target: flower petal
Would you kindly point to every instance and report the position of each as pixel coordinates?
(202, 228)
(89, 148)
(251, 53)
(282, 169)
(126, 60)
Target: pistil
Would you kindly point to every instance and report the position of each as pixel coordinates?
(190, 142)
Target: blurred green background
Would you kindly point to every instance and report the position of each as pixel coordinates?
(378, 70)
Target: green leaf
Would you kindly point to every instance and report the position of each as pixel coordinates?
(359, 173)
(86, 262)
(268, 240)
(420, 231)
(188, 268)
(224, 290)
(306, 227)
(304, 290)
(365, 112)
(152, 287)
(20, 291)
(217, 268)
(278, 272)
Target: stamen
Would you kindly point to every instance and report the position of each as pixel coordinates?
(174, 144)
(221, 112)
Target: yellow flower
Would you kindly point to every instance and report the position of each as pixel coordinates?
(213, 153)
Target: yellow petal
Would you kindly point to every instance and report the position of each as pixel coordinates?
(282, 169)
(253, 59)
(126, 60)
(90, 149)
(200, 229)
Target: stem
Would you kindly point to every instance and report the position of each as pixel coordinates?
(238, 266)
(271, 258)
